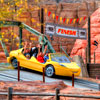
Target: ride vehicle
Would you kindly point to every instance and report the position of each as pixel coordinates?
(57, 64)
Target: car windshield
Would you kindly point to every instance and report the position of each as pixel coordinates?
(61, 58)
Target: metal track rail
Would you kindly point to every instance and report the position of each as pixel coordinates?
(8, 76)
(15, 75)
(80, 82)
(87, 83)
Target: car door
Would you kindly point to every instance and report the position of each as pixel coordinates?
(35, 65)
(23, 60)
(31, 63)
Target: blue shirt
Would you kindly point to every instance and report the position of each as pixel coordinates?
(45, 58)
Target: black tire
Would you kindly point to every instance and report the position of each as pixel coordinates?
(14, 63)
(49, 71)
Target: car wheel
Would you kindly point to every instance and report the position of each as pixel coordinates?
(14, 62)
(49, 71)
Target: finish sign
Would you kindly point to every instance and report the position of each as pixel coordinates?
(63, 31)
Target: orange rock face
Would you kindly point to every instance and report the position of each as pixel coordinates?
(80, 45)
(2, 57)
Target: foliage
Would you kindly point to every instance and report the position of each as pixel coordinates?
(12, 9)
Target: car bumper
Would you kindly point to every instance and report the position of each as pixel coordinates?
(8, 59)
(67, 72)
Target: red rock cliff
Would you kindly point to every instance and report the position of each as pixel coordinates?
(80, 45)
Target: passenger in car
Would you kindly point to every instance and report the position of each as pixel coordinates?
(26, 49)
(35, 50)
(46, 57)
(40, 55)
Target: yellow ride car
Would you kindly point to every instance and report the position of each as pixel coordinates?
(57, 64)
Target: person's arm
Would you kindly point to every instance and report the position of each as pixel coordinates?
(38, 51)
(24, 51)
(30, 46)
(45, 49)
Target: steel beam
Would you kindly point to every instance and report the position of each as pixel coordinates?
(21, 26)
(20, 36)
(4, 48)
(45, 39)
(31, 29)
(42, 21)
(89, 41)
(9, 23)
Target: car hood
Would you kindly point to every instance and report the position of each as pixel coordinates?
(72, 66)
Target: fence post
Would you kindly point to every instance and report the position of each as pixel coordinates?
(43, 74)
(10, 90)
(73, 79)
(86, 55)
(99, 87)
(57, 92)
(94, 57)
(18, 71)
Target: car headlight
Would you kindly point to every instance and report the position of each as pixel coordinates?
(78, 64)
(62, 65)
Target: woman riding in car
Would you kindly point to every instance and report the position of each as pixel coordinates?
(26, 49)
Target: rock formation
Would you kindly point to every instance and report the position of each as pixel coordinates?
(80, 45)
(40, 87)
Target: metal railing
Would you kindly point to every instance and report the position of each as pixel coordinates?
(57, 94)
(43, 75)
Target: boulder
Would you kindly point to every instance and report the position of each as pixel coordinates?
(80, 63)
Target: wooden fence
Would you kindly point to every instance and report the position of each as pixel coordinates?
(94, 70)
(57, 94)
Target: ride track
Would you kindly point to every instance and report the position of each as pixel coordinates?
(13, 76)
(79, 83)
(87, 83)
